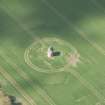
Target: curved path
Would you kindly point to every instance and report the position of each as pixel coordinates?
(39, 53)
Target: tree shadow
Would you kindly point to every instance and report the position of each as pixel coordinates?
(14, 100)
(42, 17)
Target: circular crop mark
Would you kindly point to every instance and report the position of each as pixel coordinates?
(36, 55)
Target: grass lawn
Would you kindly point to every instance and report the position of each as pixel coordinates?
(29, 27)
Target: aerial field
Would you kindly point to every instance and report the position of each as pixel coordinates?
(76, 28)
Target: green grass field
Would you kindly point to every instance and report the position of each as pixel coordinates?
(28, 27)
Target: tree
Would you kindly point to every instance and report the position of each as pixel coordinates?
(7, 99)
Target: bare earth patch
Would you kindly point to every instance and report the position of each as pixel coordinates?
(4, 99)
(74, 59)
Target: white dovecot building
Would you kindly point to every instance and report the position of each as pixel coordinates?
(50, 52)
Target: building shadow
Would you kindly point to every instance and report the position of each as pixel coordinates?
(56, 53)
